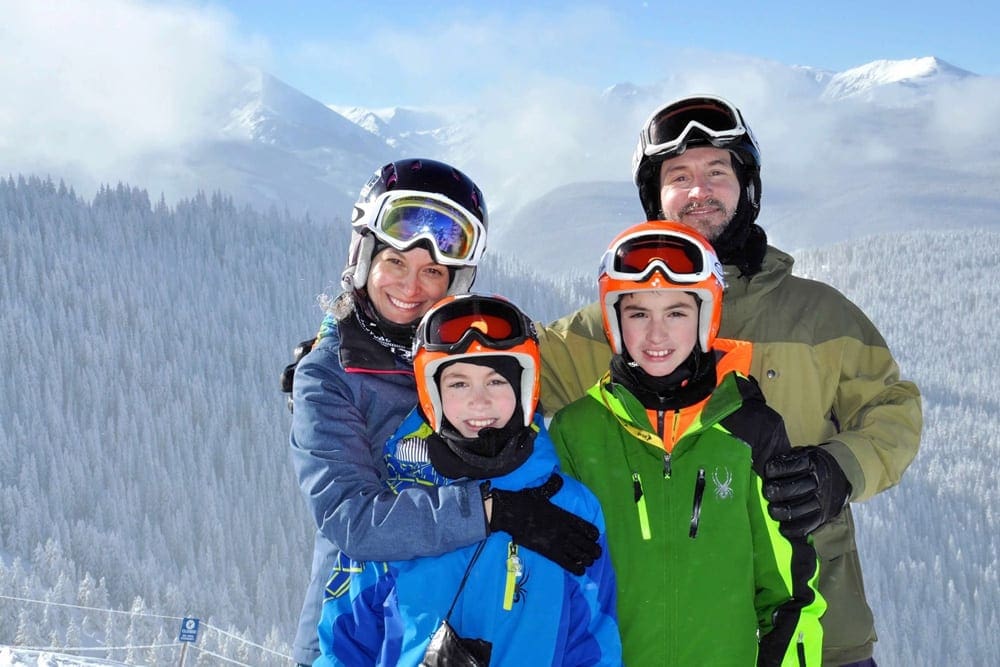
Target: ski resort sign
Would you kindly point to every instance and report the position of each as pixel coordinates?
(189, 630)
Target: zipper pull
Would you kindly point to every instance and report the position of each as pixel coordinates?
(515, 569)
(666, 465)
(801, 649)
(699, 491)
(640, 505)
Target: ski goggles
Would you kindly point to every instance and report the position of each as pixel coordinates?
(453, 326)
(669, 128)
(405, 217)
(681, 258)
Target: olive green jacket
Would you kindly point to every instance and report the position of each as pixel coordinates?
(826, 369)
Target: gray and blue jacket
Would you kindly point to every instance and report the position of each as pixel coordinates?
(349, 396)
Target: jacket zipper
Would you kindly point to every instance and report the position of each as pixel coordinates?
(699, 491)
(801, 650)
(515, 568)
(660, 423)
(640, 505)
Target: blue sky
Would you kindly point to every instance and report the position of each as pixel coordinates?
(417, 53)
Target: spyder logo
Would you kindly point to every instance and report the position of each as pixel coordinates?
(723, 483)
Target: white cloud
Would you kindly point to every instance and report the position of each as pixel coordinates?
(89, 85)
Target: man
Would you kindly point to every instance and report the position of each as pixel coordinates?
(819, 360)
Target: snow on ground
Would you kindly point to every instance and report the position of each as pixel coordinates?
(15, 657)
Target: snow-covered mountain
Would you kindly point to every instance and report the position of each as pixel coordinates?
(887, 147)
(874, 80)
(272, 146)
(416, 132)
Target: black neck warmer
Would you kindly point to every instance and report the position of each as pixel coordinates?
(397, 338)
(690, 382)
(743, 242)
(495, 452)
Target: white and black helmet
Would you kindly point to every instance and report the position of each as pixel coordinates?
(418, 203)
(698, 120)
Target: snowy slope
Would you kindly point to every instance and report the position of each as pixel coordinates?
(413, 132)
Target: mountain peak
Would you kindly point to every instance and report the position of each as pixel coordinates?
(910, 73)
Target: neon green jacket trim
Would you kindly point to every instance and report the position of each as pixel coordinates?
(702, 568)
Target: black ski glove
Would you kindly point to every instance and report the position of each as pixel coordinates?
(805, 488)
(536, 524)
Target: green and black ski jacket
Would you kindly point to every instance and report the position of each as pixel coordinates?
(704, 575)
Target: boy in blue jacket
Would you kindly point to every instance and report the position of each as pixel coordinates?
(477, 367)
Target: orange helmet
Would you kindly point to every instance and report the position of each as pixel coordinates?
(467, 325)
(661, 255)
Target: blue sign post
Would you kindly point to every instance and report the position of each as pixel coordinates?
(189, 633)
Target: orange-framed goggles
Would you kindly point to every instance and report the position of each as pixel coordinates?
(454, 326)
(681, 258)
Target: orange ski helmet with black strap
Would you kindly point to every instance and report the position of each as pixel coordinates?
(469, 325)
(661, 255)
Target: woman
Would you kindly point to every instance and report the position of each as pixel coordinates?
(418, 232)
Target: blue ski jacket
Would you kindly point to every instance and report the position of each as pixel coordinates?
(349, 395)
(532, 611)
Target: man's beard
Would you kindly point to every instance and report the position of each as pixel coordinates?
(712, 230)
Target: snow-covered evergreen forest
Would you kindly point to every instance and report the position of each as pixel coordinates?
(142, 431)
(143, 438)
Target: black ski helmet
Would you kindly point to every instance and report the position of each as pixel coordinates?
(418, 176)
(698, 120)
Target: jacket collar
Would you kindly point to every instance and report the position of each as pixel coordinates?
(359, 351)
(632, 416)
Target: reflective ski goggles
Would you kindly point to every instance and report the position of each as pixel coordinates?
(681, 258)
(404, 217)
(669, 128)
(453, 326)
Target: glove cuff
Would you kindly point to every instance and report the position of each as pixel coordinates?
(833, 482)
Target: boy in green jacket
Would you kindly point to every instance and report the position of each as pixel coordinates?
(673, 440)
